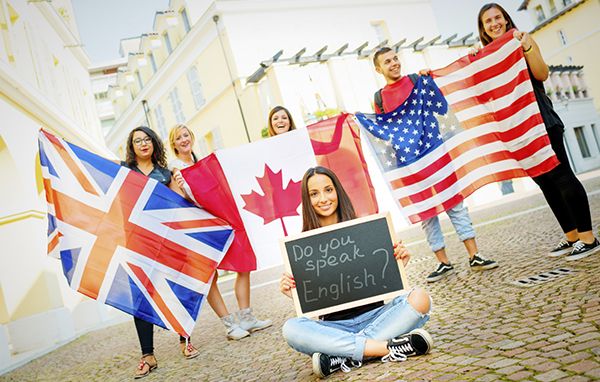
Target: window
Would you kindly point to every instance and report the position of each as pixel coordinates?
(381, 30)
(101, 95)
(139, 79)
(583, 147)
(562, 37)
(160, 121)
(153, 62)
(214, 140)
(186, 20)
(539, 14)
(566, 2)
(167, 42)
(552, 7)
(177, 106)
(596, 135)
(195, 87)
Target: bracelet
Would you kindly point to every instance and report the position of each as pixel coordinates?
(528, 49)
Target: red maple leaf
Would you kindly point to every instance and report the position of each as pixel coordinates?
(277, 202)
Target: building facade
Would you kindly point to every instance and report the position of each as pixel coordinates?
(103, 76)
(568, 34)
(194, 66)
(44, 82)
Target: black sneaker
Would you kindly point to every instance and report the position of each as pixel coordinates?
(478, 263)
(581, 250)
(442, 270)
(325, 365)
(417, 342)
(563, 247)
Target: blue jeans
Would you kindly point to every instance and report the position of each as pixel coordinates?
(347, 338)
(459, 216)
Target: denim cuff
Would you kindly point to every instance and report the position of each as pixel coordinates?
(359, 347)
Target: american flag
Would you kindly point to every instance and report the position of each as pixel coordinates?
(127, 240)
(493, 131)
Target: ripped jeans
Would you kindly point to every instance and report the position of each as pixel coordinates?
(347, 338)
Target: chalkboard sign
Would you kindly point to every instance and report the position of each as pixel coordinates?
(343, 265)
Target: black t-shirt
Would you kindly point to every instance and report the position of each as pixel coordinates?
(161, 174)
(352, 312)
(550, 117)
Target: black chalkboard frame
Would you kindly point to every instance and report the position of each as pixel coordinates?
(364, 301)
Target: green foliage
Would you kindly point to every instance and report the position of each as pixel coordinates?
(326, 113)
(264, 132)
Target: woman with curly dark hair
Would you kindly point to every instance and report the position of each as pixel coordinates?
(146, 155)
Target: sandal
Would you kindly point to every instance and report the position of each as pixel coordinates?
(189, 351)
(147, 364)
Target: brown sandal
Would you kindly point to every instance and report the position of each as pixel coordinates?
(147, 364)
(189, 351)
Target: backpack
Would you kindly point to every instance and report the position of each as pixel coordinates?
(377, 96)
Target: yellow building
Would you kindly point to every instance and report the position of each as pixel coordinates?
(568, 34)
(197, 65)
(44, 82)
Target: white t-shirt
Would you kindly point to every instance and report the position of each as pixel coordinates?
(177, 163)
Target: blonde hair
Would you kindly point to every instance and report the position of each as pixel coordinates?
(173, 135)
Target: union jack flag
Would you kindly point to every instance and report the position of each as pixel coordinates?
(432, 159)
(127, 240)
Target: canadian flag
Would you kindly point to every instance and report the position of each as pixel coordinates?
(256, 187)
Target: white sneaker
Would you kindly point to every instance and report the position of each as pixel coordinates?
(234, 332)
(250, 323)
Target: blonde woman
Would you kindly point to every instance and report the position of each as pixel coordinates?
(241, 323)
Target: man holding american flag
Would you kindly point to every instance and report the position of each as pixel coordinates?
(394, 94)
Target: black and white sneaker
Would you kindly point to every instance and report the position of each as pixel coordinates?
(581, 250)
(563, 247)
(442, 270)
(478, 263)
(324, 365)
(417, 342)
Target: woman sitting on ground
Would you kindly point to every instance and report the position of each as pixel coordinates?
(343, 339)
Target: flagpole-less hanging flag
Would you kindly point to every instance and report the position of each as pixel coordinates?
(126, 240)
(256, 187)
(472, 123)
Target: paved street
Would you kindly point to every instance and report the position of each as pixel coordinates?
(485, 328)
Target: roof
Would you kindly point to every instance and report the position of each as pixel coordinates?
(523, 5)
(564, 68)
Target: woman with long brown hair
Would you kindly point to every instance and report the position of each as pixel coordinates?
(561, 188)
(280, 121)
(341, 340)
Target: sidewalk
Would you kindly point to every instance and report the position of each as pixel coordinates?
(485, 328)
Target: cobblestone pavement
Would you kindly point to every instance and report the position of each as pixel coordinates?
(484, 327)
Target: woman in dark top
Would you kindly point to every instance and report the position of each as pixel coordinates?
(563, 191)
(342, 340)
(146, 155)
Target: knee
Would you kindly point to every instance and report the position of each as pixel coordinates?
(419, 299)
(290, 330)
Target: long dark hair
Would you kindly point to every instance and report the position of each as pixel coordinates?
(483, 37)
(272, 132)
(345, 210)
(159, 156)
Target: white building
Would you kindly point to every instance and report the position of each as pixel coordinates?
(103, 77)
(44, 82)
